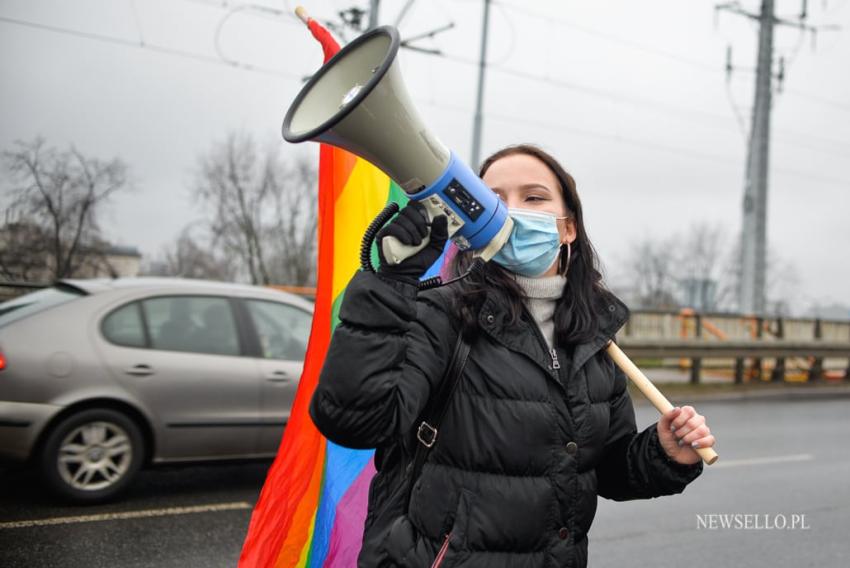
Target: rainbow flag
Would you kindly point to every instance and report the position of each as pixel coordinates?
(313, 504)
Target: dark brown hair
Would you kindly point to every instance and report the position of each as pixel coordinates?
(575, 312)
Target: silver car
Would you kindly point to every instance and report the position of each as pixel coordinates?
(101, 377)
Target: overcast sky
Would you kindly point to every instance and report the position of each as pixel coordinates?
(630, 96)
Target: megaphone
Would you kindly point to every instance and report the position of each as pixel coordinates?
(358, 102)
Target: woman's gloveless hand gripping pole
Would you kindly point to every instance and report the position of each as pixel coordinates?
(651, 392)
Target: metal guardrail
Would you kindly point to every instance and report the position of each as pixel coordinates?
(670, 348)
(673, 324)
(749, 340)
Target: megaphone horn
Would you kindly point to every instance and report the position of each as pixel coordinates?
(358, 102)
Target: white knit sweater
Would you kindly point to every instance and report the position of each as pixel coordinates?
(542, 294)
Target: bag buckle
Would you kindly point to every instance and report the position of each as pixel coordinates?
(426, 434)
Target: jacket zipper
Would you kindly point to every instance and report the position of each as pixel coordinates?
(556, 365)
(442, 553)
(554, 370)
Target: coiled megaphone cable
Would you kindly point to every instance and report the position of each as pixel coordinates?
(369, 238)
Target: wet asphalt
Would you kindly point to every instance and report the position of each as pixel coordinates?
(778, 458)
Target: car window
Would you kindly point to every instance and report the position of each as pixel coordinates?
(34, 302)
(199, 324)
(283, 330)
(124, 326)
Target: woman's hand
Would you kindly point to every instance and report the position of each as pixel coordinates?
(411, 227)
(680, 431)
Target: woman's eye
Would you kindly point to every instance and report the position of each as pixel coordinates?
(534, 198)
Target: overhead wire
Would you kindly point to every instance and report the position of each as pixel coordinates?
(707, 118)
(729, 161)
(817, 98)
(137, 21)
(253, 68)
(275, 14)
(739, 118)
(660, 52)
(706, 66)
(144, 45)
(511, 42)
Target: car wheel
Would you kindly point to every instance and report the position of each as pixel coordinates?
(92, 456)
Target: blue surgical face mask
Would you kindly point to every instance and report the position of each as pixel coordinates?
(534, 243)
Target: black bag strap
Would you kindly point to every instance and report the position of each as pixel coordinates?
(436, 410)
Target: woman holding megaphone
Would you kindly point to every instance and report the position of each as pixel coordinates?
(497, 414)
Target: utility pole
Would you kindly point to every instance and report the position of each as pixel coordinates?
(754, 235)
(373, 13)
(754, 229)
(479, 98)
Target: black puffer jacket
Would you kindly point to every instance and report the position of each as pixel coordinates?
(523, 451)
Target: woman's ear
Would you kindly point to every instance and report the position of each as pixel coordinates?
(568, 231)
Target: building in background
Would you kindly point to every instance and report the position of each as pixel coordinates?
(25, 258)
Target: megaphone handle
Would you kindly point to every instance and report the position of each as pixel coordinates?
(395, 252)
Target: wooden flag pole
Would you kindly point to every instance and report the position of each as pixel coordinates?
(651, 392)
(302, 14)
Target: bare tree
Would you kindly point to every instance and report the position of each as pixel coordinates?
(651, 270)
(187, 257)
(783, 285)
(699, 259)
(729, 289)
(292, 238)
(23, 252)
(701, 251)
(659, 269)
(57, 196)
(263, 211)
(783, 282)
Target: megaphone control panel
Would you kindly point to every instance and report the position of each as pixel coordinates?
(462, 198)
(477, 212)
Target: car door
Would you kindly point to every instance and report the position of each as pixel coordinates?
(282, 331)
(191, 373)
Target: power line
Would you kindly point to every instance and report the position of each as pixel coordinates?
(705, 66)
(148, 46)
(261, 11)
(819, 99)
(595, 91)
(709, 119)
(280, 15)
(638, 142)
(830, 141)
(280, 73)
(137, 21)
(615, 38)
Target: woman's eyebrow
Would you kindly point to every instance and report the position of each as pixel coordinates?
(534, 186)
